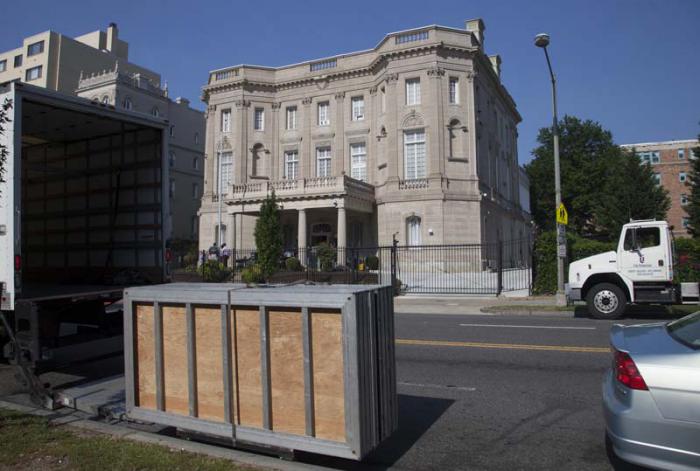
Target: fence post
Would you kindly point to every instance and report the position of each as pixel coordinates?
(394, 245)
(499, 261)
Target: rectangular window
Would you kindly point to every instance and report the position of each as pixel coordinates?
(410, 37)
(195, 226)
(657, 178)
(454, 90)
(291, 117)
(684, 200)
(291, 165)
(324, 114)
(195, 163)
(195, 191)
(226, 169)
(259, 121)
(655, 158)
(18, 61)
(681, 154)
(172, 187)
(33, 73)
(358, 157)
(682, 177)
(358, 108)
(413, 232)
(172, 128)
(323, 162)
(226, 121)
(3, 65)
(329, 64)
(686, 222)
(414, 154)
(413, 92)
(35, 48)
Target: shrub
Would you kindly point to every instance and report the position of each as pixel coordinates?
(213, 271)
(372, 262)
(292, 264)
(688, 260)
(545, 261)
(326, 256)
(252, 274)
(190, 259)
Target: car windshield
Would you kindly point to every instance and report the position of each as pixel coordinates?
(686, 330)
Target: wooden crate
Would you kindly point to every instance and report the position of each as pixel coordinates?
(299, 367)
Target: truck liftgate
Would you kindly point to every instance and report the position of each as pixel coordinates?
(84, 211)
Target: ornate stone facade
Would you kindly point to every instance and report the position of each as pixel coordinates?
(415, 138)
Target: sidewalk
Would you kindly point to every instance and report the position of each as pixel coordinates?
(459, 304)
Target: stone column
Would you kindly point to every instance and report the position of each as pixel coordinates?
(338, 123)
(308, 168)
(342, 235)
(240, 138)
(277, 159)
(301, 236)
(210, 153)
(434, 114)
(470, 102)
(394, 140)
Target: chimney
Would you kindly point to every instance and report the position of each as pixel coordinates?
(112, 36)
(496, 64)
(477, 28)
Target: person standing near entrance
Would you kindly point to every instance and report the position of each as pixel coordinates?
(225, 254)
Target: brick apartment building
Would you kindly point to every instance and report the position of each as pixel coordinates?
(671, 164)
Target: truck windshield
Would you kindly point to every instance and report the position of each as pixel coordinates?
(686, 330)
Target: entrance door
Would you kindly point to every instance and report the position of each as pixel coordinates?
(642, 254)
(321, 233)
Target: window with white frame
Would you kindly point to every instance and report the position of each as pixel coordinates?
(682, 177)
(33, 73)
(195, 191)
(358, 157)
(652, 158)
(358, 108)
(454, 90)
(684, 200)
(681, 154)
(657, 178)
(413, 232)
(259, 121)
(291, 165)
(413, 91)
(291, 117)
(226, 120)
(414, 154)
(324, 113)
(323, 162)
(226, 169)
(3, 65)
(686, 222)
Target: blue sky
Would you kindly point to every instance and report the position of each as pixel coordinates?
(632, 65)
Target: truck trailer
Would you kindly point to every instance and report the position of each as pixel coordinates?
(641, 271)
(84, 212)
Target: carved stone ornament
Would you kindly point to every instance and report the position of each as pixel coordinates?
(392, 78)
(373, 90)
(413, 120)
(306, 101)
(242, 103)
(436, 72)
(223, 144)
(276, 105)
(340, 95)
(471, 75)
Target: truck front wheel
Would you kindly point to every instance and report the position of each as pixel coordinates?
(606, 301)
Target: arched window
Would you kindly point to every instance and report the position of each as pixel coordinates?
(258, 162)
(456, 139)
(126, 103)
(105, 100)
(195, 163)
(155, 111)
(172, 158)
(413, 232)
(96, 99)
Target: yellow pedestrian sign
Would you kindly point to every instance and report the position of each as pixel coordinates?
(562, 215)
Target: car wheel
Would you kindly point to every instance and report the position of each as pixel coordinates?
(606, 301)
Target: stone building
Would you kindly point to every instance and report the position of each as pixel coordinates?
(96, 66)
(671, 163)
(414, 138)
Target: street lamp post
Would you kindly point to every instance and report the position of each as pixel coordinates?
(542, 40)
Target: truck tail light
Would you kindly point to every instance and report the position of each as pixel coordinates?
(18, 262)
(626, 372)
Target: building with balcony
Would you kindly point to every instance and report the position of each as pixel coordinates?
(671, 163)
(415, 138)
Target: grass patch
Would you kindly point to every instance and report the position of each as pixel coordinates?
(30, 442)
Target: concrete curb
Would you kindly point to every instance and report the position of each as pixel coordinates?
(82, 421)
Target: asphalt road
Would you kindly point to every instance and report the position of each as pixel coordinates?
(498, 393)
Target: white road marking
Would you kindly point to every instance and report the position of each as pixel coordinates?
(437, 386)
(528, 326)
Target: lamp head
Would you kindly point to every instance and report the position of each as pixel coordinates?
(542, 40)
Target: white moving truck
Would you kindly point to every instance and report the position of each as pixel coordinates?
(84, 211)
(639, 272)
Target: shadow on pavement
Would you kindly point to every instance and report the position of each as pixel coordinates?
(416, 415)
(648, 312)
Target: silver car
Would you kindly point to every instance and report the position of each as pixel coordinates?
(651, 395)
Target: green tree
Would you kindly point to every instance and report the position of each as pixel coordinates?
(693, 208)
(268, 236)
(4, 118)
(602, 184)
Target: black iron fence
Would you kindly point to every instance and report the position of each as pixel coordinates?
(485, 269)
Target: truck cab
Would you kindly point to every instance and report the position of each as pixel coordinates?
(639, 272)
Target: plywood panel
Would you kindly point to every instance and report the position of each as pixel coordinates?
(247, 360)
(145, 393)
(328, 377)
(287, 371)
(210, 382)
(175, 379)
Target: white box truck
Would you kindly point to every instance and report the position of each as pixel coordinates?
(84, 211)
(639, 272)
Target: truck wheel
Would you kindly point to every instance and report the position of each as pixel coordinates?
(606, 301)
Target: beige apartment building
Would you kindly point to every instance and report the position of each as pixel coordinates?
(671, 163)
(96, 66)
(414, 138)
